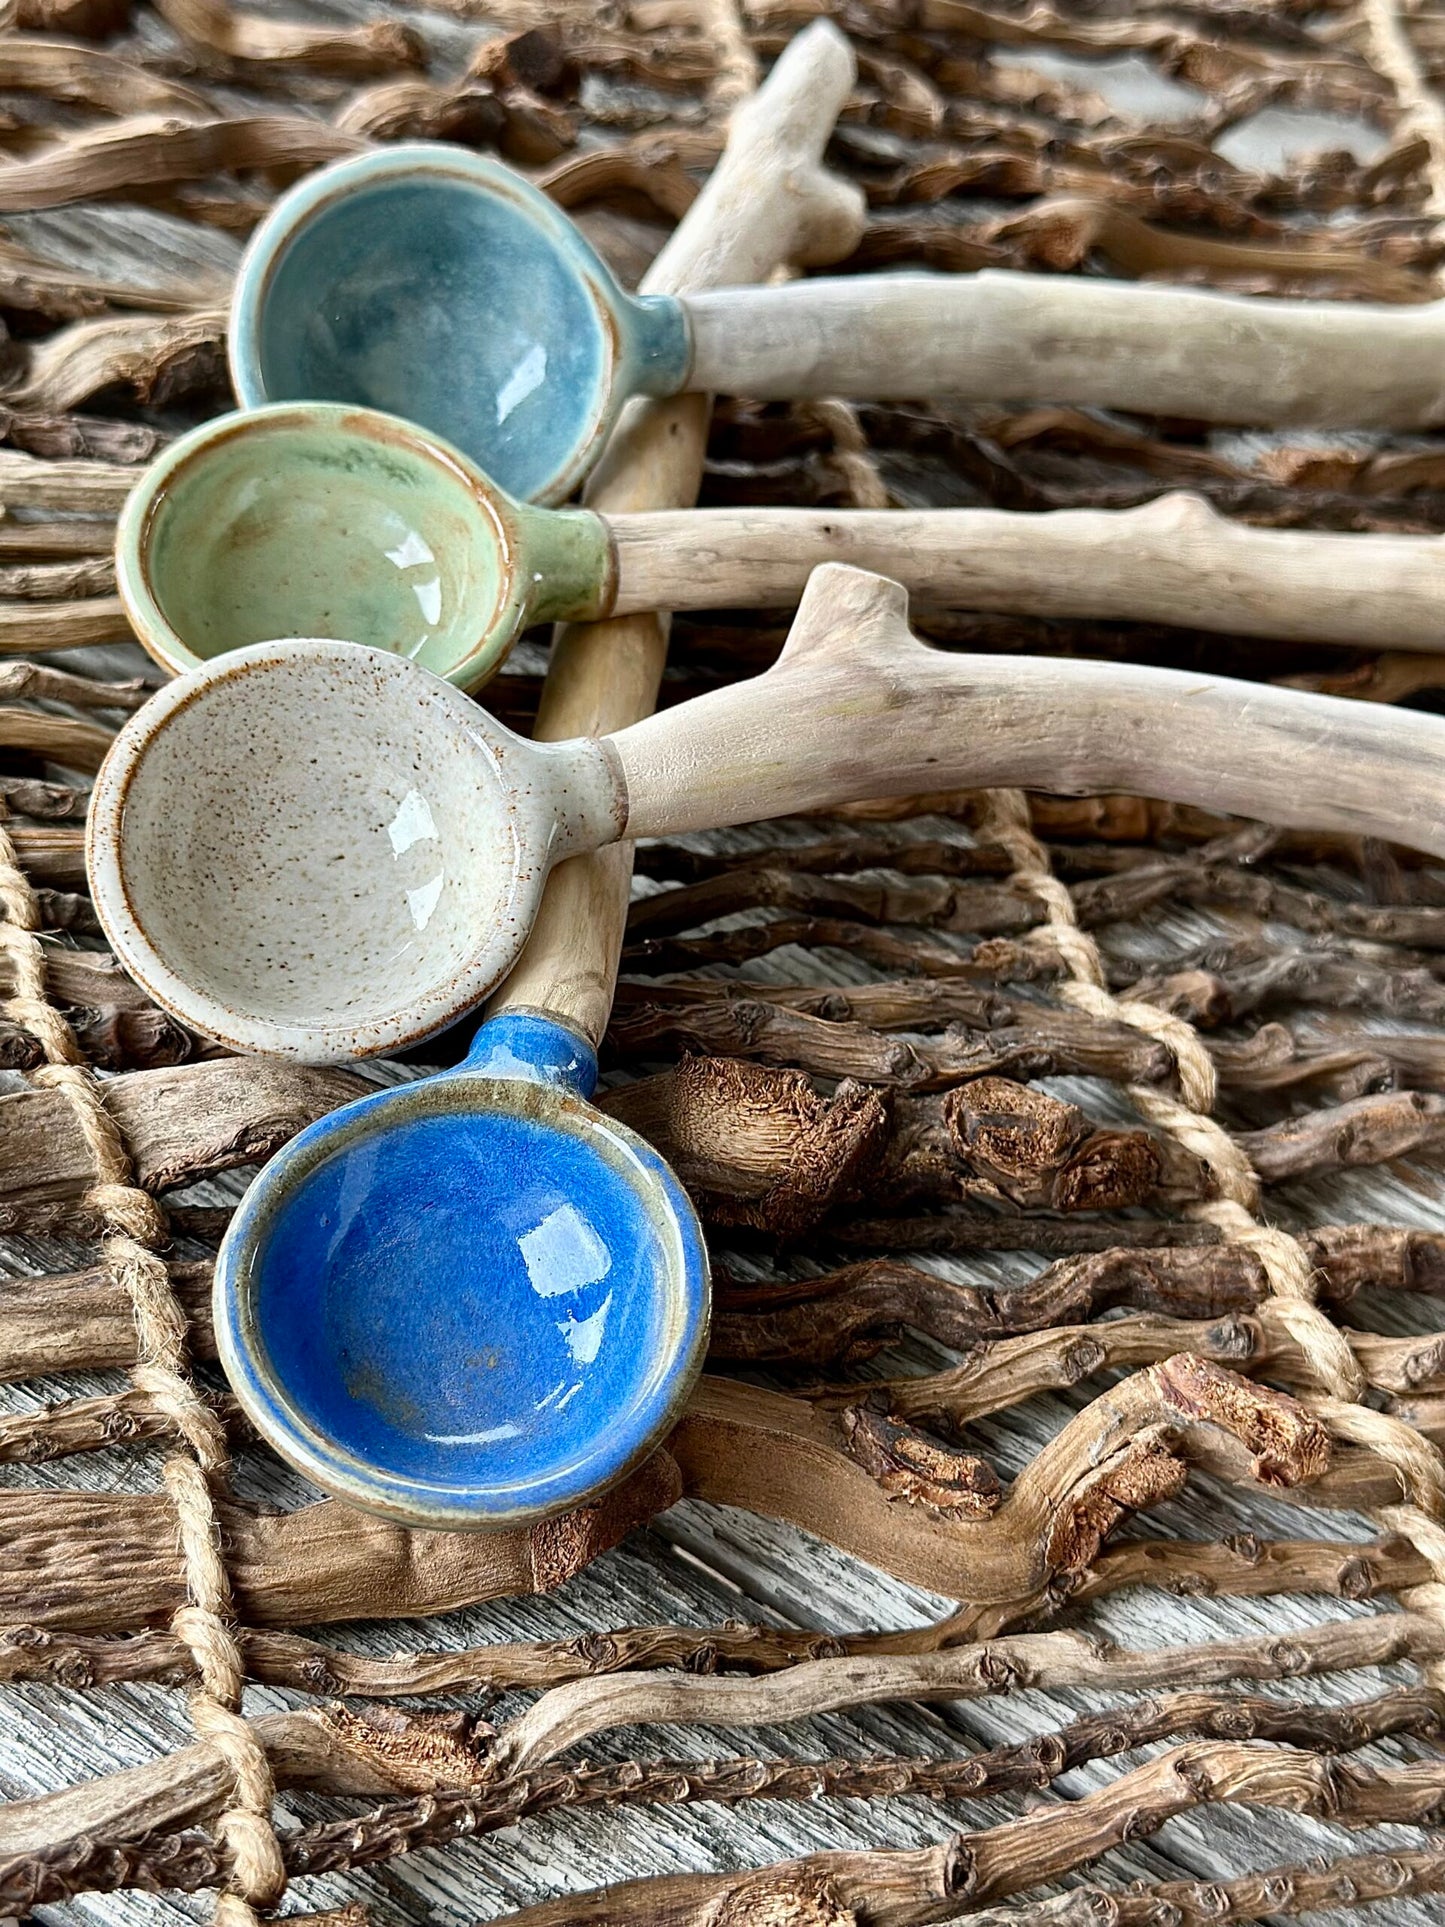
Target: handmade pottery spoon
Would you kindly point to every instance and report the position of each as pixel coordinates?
(312, 519)
(468, 1301)
(440, 286)
(583, 1284)
(319, 849)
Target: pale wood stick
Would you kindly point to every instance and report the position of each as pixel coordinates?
(1173, 560)
(26, 626)
(80, 487)
(857, 703)
(768, 202)
(1117, 344)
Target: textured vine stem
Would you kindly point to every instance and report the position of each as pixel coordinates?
(1237, 1171)
(345, 1752)
(909, 1887)
(1233, 1568)
(1356, 1880)
(403, 1826)
(849, 1313)
(896, 1498)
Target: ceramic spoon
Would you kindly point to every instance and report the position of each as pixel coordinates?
(320, 849)
(312, 519)
(566, 1267)
(440, 286)
(468, 1301)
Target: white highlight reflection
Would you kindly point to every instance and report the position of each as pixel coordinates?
(525, 379)
(563, 1253)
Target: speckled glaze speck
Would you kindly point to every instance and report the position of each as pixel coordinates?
(322, 850)
(471, 1301)
(440, 286)
(313, 519)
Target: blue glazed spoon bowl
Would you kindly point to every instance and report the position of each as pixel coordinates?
(434, 284)
(471, 1301)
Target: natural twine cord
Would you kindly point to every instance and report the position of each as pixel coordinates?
(1188, 1121)
(135, 1231)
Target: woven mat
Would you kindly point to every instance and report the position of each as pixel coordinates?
(1170, 1007)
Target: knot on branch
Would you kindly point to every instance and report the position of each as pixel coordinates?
(1145, 1473)
(561, 1547)
(755, 1146)
(1036, 1150)
(788, 1897)
(1287, 1445)
(911, 1466)
(412, 1752)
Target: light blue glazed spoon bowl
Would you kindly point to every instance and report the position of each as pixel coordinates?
(437, 285)
(471, 1301)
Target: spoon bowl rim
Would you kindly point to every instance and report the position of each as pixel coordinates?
(451, 1505)
(422, 1014)
(428, 162)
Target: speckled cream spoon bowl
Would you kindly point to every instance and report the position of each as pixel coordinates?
(319, 849)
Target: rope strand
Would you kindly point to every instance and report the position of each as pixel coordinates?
(135, 1234)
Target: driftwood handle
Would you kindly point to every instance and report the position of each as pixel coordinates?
(857, 706)
(769, 201)
(1117, 344)
(1174, 560)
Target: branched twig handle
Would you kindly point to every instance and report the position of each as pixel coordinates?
(857, 706)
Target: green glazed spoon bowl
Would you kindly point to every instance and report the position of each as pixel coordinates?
(322, 520)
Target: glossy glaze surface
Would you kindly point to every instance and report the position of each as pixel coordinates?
(319, 849)
(316, 520)
(469, 1301)
(442, 287)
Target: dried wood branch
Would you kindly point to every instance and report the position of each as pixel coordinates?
(995, 957)
(180, 1124)
(821, 1033)
(90, 1424)
(1002, 1372)
(157, 357)
(848, 1314)
(147, 151)
(77, 487)
(21, 681)
(91, 575)
(28, 281)
(189, 1862)
(34, 540)
(1370, 1130)
(832, 1032)
(28, 626)
(880, 1491)
(218, 28)
(1233, 1568)
(91, 77)
(113, 1562)
(1355, 1880)
(889, 1889)
(760, 1148)
(45, 801)
(343, 1752)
